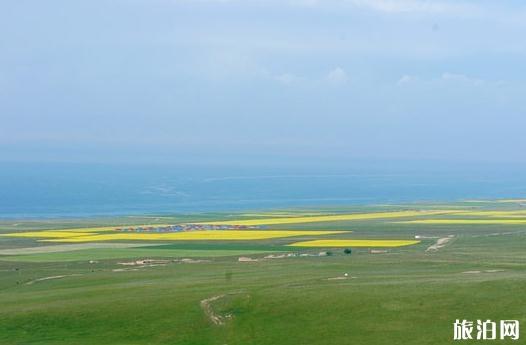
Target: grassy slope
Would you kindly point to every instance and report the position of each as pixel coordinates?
(404, 297)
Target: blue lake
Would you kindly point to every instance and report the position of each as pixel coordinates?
(58, 190)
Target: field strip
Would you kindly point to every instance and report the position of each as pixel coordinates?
(354, 243)
(286, 214)
(515, 213)
(71, 247)
(500, 201)
(332, 218)
(202, 235)
(98, 254)
(45, 234)
(467, 221)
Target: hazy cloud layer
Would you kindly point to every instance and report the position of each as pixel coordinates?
(303, 79)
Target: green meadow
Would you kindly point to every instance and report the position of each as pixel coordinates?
(201, 292)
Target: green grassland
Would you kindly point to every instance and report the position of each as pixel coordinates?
(405, 295)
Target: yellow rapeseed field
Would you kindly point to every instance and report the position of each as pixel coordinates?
(45, 234)
(332, 218)
(497, 201)
(283, 214)
(205, 235)
(354, 243)
(518, 213)
(468, 221)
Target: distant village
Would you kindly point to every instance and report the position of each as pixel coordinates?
(184, 227)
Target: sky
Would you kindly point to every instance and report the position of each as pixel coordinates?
(259, 81)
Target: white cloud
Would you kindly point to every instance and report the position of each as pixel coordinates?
(287, 78)
(307, 3)
(393, 6)
(406, 79)
(447, 77)
(337, 76)
(461, 78)
(397, 6)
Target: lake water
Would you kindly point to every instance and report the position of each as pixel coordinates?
(57, 190)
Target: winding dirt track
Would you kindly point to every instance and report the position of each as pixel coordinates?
(206, 305)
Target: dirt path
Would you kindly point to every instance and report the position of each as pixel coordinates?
(485, 271)
(51, 277)
(206, 305)
(440, 243)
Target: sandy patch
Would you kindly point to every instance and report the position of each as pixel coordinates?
(124, 269)
(145, 262)
(440, 243)
(191, 261)
(246, 259)
(485, 271)
(278, 256)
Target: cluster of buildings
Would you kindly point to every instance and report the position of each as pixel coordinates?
(184, 227)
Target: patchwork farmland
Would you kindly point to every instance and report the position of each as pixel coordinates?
(264, 277)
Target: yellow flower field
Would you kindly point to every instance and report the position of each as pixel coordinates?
(332, 218)
(354, 243)
(497, 201)
(46, 234)
(284, 214)
(206, 235)
(519, 213)
(468, 221)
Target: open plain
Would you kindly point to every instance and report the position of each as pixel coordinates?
(362, 275)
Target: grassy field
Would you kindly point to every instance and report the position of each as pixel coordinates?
(459, 265)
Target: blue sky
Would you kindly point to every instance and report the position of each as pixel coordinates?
(241, 81)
